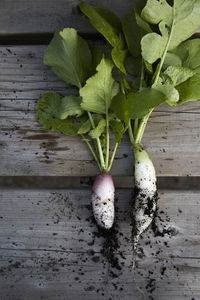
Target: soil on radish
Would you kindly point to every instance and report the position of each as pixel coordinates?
(148, 211)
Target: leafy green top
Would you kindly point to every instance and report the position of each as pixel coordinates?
(75, 61)
(150, 45)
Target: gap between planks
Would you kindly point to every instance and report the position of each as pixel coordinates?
(52, 182)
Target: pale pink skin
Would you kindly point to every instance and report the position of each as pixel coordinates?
(103, 192)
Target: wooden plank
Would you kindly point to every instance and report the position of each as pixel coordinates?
(47, 16)
(172, 136)
(44, 16)
(51, 249)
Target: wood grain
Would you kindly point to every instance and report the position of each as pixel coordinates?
(172, 136)
(51, 249)
(46, 16)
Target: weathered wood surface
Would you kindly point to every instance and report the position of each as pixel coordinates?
(172, 135)
(51, 249)
(44, 16)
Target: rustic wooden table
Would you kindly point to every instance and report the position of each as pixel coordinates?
(49, 246)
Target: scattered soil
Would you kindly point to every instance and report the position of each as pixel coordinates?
(110, 245)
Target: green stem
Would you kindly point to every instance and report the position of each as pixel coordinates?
(165, 51)
(135, 126)
(142, 75)
(101, 157)
(130, 132)
(144, 120)
(107, 139)
(92, 151)
(112, 158)
(142, 127)
(123, 88)
(140, 88)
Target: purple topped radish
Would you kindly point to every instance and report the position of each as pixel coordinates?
(87, 113)
(103, 193)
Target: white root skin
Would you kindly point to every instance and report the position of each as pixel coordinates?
(145, 175)
(103, 193)
(146, 193)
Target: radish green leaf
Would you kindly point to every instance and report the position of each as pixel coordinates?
(69, 57)
(99, 89)
(140, 103)
(109, 25)
(85, 127)
(178, 75)
(188, 52)
(120, 107)
(47, 116)
(171, 59)
(61, 107)
(154, 44)
(181, 21)
(171, 93)
(133, 37)
(98, 130)
(190, 89)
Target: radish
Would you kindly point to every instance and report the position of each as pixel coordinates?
(145, 193)
(87, 113)
(145, 190)
(103, 192)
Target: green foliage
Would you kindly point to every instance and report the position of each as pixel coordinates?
(139, 20)
(61, 107)
(154, 44)
(98, 130)
(69, 57)
(140, 103)
(120, 107)
(108, 24)
(171, 93)
(133, 37)
(148, 67)
(133, 65)
(149, 45)
(105, 21)
(97, 55)
(47, 116)
(189, 53)
(176, 24)
(119, 54)
(99, 89)
(117, 126)
(85, 127)
(171, 59)
(190, 89)
(156, 11)
(178, 75)
(136, 105)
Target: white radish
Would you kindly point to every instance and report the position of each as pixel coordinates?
(145, 193)
(103, 192)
